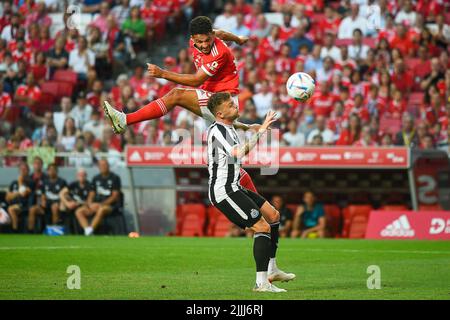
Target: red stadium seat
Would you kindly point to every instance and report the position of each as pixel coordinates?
(343, 42)
(350, 212)
(371, 42)
(219, 225)
(65, 76)
(333, 218)
(50, 87)
(46, 102)
(65, 89)
(190, 219)
(394, 207)
(411, 63)
(293, 208)
(390, 125)
(416, 98)
(430, 207)
(358, 227)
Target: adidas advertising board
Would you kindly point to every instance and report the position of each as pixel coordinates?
(432, 225)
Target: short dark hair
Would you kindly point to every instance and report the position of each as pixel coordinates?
(200, 25)
(216, 100)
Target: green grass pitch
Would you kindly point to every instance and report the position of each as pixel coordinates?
(34, 267)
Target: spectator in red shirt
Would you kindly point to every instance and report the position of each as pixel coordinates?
(39, 16)
(287, 30)
(352, 134)
(329, 24)
(422, 68)
(323, 101)
(39, 69)
(402, 41)
(366, 138)
(242, 7)
(386, 140)
(5, 108)
(402, 78)
(397, 106)
(427, 142)
(28, 94)
(359, 109)
(436, 111)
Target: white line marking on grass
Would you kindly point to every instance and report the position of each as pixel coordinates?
(42, 248)
(369, 251)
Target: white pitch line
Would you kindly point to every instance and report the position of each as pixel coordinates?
(42, 248)
(369, 251)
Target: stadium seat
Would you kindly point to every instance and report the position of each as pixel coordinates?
(343, 42)
(416, 98)
(358, 227)
(192, 219)
(389, 125)
(50, 87)
(45, 103)
(333, 220)
(65, 76)
(371, 42)
(65, 89)
(292, 207)
(394, 207)
(411, 63)
(350, 212)
(218, 225)
(430, 207)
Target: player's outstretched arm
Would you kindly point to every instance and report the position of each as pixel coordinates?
(243, 149)
(192, 80)
(228, 36)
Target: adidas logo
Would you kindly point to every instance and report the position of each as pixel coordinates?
(287, 157)
(398, 228)
(135, 157)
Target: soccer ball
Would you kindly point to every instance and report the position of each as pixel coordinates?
(300, 86)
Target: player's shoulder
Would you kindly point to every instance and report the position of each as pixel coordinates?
(219, 47)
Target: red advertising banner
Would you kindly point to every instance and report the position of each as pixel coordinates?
(429, 225)
(283, 157)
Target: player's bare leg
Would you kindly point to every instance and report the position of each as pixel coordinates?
(272, 216)
(186, 98)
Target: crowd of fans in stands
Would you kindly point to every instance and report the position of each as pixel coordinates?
(379, 82)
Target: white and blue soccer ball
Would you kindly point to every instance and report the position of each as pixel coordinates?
(300, 86)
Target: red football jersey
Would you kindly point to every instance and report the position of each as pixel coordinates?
(5, 102)
(219, 65)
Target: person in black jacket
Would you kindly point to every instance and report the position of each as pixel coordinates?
(407, 136)
(103, 199)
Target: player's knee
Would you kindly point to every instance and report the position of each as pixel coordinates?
(275, 216)
(175, 95)
(262, 226)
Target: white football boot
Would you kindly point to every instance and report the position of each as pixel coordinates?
(280, 275)
(268, 287)
(118, 119)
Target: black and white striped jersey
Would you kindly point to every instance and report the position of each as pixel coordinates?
(223, 168)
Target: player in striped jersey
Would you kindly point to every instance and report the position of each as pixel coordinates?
(241, 206)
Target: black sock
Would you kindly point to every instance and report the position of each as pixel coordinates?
(274, 235)
(261, 250)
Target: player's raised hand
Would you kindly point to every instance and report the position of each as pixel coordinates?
(242, 40)
(271, 117)
(154, 70)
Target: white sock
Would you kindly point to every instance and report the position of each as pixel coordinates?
(261, 277)
(272, 265)
(88, 231)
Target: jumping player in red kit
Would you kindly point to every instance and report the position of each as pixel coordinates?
(216, 72)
